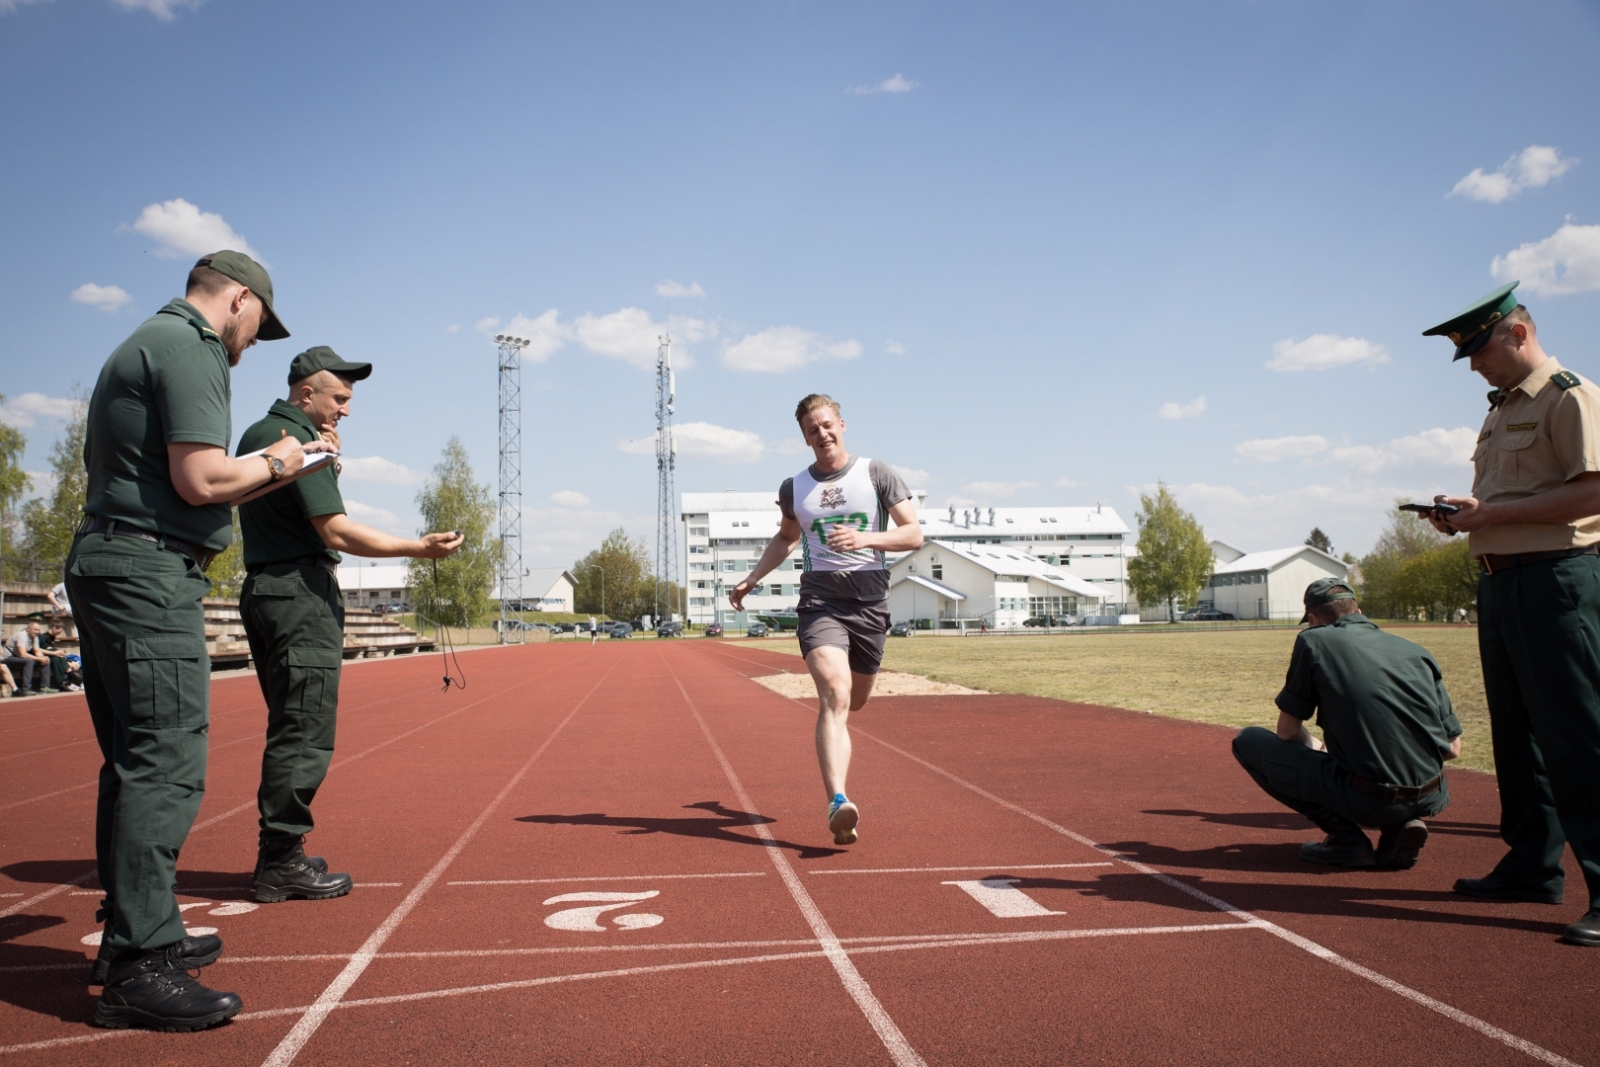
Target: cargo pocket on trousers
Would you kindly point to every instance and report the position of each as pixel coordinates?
(169, 676)
(314, 688)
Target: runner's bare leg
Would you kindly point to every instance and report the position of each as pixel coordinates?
(839, 692)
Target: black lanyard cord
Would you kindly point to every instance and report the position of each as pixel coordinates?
(447, 648)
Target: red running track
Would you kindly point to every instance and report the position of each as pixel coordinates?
(618, 854)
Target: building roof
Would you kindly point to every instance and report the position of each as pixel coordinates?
(731, 500)
(1273, 558)
(538, 582)
(1225, 552)
(1020, 523)
(938, 587)
(998, 559)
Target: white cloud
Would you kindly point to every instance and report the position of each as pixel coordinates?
(1068, 483)
(897, 84)
(996, 490)
(1325, 351)
(1351, 511)
(544, 335)
(104, 297)
(161, 9)
(186, 230)
(1192, 410)
(27, 409)
(378, 471)
(784, 348)
(704, 440)
(894, 348)
(914, 478)
(382, 518)
(454, 327)
(569, 498)
(486, 324)
(557, 536)
(1568, 261)
(1530, 168)
(958, 502)
(670, 288)
(1438, 446)
(1272, 449)
(632, 336)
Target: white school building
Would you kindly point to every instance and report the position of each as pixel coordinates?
(1269, 584)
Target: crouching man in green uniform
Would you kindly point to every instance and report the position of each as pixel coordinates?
(1381, 703)
(294, 617)
(157, 504)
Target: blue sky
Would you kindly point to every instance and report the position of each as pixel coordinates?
(1019, 242)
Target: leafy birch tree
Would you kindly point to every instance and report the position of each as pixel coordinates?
(1175, 560)
(455, 591)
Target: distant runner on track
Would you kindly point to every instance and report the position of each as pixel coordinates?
(838, 511)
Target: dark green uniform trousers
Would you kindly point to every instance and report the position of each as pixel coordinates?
(148, 681)
(1314, 784)
(294, 617)
(1539, 637)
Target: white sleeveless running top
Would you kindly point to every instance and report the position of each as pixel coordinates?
(861, 494)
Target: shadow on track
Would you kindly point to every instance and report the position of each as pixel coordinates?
(49, 872)
(61, 990)
(718, 824)
(1292, 821)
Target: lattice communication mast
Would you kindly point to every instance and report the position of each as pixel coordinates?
(666, 463)
(510, 481)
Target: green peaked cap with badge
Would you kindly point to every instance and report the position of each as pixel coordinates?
(1469, 329)
(322, 357)
(1325, 591)
(253, 276)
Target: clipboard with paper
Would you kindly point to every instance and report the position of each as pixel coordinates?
(315, 461)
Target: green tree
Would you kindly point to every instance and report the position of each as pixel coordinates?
(1175, 560)
(1388, 590)
(13, 483)
(1318, 539)
(49, 526)
(625, 563)
(456, 591)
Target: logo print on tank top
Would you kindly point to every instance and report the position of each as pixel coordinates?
(832, 497)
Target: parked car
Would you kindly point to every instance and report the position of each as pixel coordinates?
(900, 629)
(714, 629)
(620, 629)
(756, 629)
(1205, 615)
(564, 627)
(670, 629)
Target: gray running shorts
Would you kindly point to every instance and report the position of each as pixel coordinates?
(859, 627)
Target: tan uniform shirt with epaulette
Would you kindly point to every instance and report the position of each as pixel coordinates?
(1539, 435)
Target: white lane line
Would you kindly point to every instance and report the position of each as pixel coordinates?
(614, 878)
(900, 1049)
(47, 796)
(52, 748)
(999, 868)
(907, 944)
(1471, 1021)
(297, 1037)
(10, 894)
(24, 905)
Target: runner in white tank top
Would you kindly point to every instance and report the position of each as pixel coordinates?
(844, 512)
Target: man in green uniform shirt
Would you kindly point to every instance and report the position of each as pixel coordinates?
(1381, 703)
(1534, 524)
(294, 617)
(159, 485)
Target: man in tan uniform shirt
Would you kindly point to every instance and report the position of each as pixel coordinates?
(1534, 525)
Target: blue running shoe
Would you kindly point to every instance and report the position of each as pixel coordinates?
(842, 819)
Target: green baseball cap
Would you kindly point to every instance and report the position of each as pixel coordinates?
(324, 358)
(253, 276)
(1325, 591)
(1468, 330)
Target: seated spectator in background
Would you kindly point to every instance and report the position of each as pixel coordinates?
(49, 644)
(1382, 706)
(26, 661)
(59, 604)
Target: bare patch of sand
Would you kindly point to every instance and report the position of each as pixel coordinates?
(889, 684)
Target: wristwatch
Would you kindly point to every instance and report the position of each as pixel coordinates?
(275, 465)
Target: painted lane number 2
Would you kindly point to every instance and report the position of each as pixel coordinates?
(585, 919)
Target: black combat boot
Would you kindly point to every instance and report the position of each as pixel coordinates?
(194, 952)
(285, 872)
(296, 845)
(1496, 886)
(1340, 851)
(1398, 846)
(153, 990)
(1585, 932)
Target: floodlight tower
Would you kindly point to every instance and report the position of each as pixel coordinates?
(666, 463)
(510, 363)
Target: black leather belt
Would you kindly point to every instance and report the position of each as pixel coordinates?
(97, 524)
(299, 561)
(1491, 564)
(1391, 793)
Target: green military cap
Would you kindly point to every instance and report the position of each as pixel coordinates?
(1325, 591)
(1469, 329)
(324, 358)
(253, 276)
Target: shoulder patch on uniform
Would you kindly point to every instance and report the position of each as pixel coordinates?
(1566, 379)
(1519, 427)
(1484, 436)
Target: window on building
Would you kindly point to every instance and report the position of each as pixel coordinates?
(699, 531)
(936, 572)
(730, 564)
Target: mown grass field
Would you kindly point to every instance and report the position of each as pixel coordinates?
(1223, 676)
